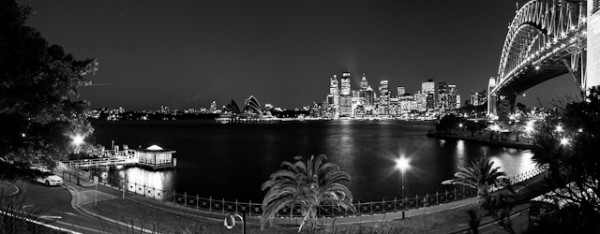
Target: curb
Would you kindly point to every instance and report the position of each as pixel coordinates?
(75, 196)
(14, 186)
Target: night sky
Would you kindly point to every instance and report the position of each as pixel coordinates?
(188, 53)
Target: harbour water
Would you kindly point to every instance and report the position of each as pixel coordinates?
(231, 161)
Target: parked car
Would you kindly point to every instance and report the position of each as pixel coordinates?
(48, 178)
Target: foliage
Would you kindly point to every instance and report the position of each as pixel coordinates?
(473, 219)
(309, 184)
(481, 175)
(474, 126)
(39, 110)
(567, 141)
(499, 207)
(448, 123)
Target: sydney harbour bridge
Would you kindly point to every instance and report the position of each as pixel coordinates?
(546, 39)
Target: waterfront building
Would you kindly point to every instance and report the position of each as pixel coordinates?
(164, 109)
(394, 107)
(458, 104)
(478, 98)
(345, 106)
(156, 157)
(421, 101)
(253, 107)
(213, 107)
(407, 104)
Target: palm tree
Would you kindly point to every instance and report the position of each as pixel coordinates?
(308, 184)
(481, 175)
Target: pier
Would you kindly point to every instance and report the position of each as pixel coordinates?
(153, 157)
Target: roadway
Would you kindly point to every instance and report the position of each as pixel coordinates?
(57, 209)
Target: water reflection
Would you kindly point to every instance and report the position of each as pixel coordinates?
(230, 162)
(162, 180)
(459, 153)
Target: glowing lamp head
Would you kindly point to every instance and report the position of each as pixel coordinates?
(402, 163)
(564, 141)
(559, 128)
(77, 140)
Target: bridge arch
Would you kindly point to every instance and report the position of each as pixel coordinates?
(545, 39)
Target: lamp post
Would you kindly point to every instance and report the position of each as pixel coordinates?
(403, 164)
(77, 141)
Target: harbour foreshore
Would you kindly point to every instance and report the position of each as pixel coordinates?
(483, 139)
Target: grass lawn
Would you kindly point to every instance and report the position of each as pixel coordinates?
(166, 222)
(6, 188)
(155, 219)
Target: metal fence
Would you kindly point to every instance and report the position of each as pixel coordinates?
(523, 176)
(362, 208)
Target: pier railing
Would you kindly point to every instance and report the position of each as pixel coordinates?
(211, 204)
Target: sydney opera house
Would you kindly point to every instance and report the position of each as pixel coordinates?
(252, 111)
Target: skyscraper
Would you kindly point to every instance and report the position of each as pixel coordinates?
(364, 84)
(442, 95)
(401, 91)
(334, 97)
(384, 98)
(345, 95)
(345, 83)
(369, 100)
(213, 107)
(452, 94)
(428, 90)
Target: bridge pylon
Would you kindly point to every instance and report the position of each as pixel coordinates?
(592, 70)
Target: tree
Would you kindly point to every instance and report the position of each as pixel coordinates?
(474, 126)
(309, 184)
(448, 123)
(567, 141)
(39, 110)
(473, 219)
(481, 175)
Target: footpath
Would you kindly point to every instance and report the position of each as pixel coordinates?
(145, 215)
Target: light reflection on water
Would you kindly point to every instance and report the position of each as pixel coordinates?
(232, 161)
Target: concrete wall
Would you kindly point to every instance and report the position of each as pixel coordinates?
(593, 45)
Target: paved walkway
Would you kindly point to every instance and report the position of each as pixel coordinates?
(85, 193)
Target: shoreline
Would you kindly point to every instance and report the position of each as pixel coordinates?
(507, 144)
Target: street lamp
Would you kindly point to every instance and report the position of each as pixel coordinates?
(564, 141)
(77, 140)
(403, 164)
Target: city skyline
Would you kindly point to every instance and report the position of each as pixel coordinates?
(283, 53)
